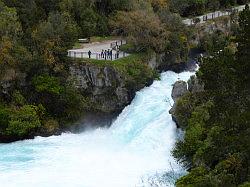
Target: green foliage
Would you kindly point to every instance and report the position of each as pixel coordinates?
(195, 178)
(246, 184)
(144, 30)
(72, 104)
(54, 36)
(214, 42)
(46, 83)
(84, 15)
(217, 132)
(18, 98)
(9, 25)
(4, 117)
(23, 121)
(195, 135)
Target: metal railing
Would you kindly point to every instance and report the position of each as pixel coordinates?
(213, 15)
(97, 56)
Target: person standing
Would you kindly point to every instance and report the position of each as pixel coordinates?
(102, 54)
(105, 54)
(117, 53)
(108, 53)
(111, 55)
(89, 53)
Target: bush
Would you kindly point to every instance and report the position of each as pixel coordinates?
(46, 83)
(4, 117)
(23, 121)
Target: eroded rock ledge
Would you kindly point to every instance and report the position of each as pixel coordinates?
(180, 89)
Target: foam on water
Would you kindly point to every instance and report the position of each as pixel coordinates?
(134, 152)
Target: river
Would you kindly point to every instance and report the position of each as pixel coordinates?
(134, 152)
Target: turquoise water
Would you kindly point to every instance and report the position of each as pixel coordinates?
(134, 152)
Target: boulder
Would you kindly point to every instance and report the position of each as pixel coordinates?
(179, 89)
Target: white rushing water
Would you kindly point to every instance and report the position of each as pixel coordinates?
(134, 152)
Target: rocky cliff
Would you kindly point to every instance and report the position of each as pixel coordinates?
(107, 88)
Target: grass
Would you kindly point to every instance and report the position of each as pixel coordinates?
(131, 65)
(121, 61)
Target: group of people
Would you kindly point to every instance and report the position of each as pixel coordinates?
(106, 54)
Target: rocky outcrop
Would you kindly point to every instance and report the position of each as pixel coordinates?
(105, 87)
(167, 62)
(179, 89)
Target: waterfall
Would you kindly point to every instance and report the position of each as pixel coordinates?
(134, 152)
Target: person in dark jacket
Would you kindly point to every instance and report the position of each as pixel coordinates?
(102, 54)
(89, 53)
(111, 54)
(117, 53)
(108, 53)
(105, 54)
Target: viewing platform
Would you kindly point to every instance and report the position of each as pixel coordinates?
(105, 50)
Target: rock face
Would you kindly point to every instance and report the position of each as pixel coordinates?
(179, 89)
(104, 85)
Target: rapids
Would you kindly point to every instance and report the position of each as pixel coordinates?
(134, 152)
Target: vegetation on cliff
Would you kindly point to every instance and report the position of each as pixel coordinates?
(35, 71)
(216, 146)
(35, 36)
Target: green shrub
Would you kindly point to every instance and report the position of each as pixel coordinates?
(4, 118)
(23, 121)
(46, 83)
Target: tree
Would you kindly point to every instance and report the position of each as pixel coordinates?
(28, 13)
(84, 14)
(217, 138)
(10, 34)
(9, 25)
(143, 29)
(54, 37)
(243, 53)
